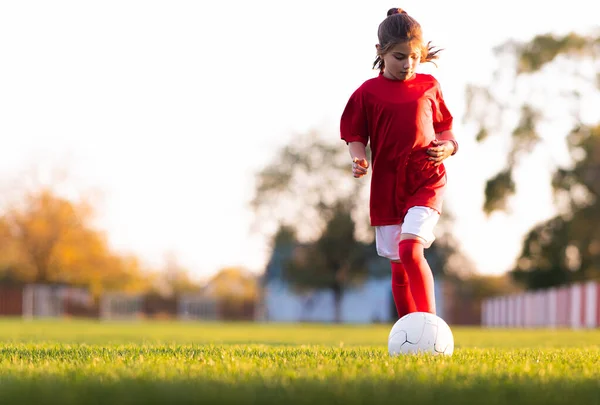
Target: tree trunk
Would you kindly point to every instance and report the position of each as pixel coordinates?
(41, 262)
(338, 289)
(337, 299)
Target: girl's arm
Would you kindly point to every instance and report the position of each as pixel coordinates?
(443, 147)
(358, 152)
(448, 135)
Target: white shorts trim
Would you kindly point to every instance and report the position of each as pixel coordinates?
(418, 221)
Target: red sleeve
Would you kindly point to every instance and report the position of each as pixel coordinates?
(353, 125)
(442, 119)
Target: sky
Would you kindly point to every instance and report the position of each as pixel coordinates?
(166, 110)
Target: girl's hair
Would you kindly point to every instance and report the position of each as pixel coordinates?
(399, 27)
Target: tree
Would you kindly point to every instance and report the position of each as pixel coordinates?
(302, 185)
(284, 242)
(39, 225)
(236, 291)
(334, 261)
(566, 247)
(233, 283)
(307, 190)
(173, 279)
(47, 238)
(445, 255)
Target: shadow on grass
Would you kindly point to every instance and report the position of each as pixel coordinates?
(78, 389)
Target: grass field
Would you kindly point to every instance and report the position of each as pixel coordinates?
(82, 362)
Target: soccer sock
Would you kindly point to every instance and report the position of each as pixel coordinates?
(401, 290)
(419, 274)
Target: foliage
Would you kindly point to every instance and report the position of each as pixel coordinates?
(234, 284)
(49, 239)
(514, 103)
(473, 289)
(309, 189)
(497, 191)
(236, 292)
(303, 183)
(544, 49)
(333, 259)
(565, 248)
(172, 280)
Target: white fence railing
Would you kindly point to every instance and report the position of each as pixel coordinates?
(573, 306)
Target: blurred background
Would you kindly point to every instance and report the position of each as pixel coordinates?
(182, 160)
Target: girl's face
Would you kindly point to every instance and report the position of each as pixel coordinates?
(401, 61)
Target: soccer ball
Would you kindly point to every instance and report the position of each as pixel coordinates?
(420, 332)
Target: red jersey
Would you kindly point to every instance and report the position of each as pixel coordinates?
(400, 120)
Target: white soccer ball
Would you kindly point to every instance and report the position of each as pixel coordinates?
(420, 332)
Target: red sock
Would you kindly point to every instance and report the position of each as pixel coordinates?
(419, 274)
(401, 290)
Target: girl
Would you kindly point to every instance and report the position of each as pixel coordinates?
(403, 115)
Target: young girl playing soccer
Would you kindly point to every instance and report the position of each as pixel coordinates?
(403, 115)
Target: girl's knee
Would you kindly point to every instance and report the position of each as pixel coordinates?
(411, 251)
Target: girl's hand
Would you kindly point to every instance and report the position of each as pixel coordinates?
(359, 167)
(440, 151)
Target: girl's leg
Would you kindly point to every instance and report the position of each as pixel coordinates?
(412, 254)
(387, 238)
(417, 235)
(401, 290)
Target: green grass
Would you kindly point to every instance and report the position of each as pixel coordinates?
(81, 362)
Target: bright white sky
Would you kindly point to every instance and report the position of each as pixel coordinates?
(158, 104)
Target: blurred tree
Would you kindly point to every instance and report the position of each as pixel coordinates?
(8, 274)
(49, 239)
(236, 291)
(233, 283)
(283, 244)
(445, 256)
(334, 261)
(565, 248)
(305, 181)
(308, 190)
(468, 292)
(39, 225)
(173, 279)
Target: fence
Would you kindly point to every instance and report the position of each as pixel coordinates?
(573, 306)
(56, 301)
(197, 307)
(44, 301)
(11, 301)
